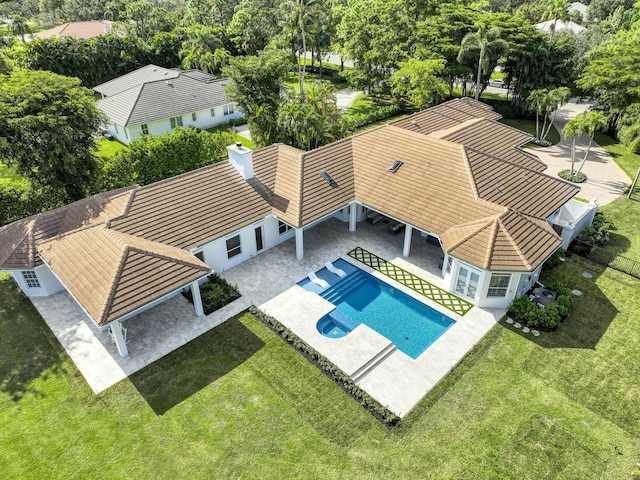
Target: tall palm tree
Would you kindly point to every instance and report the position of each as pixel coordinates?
(488, 44)
(556, 10)
(301, 12)
(573, 129)
(546, 103)
(593, 121)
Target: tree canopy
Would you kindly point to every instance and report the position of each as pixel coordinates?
(46, 127)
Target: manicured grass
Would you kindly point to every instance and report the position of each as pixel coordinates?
(625, 214)
(362, 105)
(238, 402)
(627, 161)
(529, 126)
(239, 138)
(108, 148)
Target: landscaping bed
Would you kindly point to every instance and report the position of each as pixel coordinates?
(529, 311)
(216, 292)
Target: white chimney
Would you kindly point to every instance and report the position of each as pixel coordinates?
(241, 158)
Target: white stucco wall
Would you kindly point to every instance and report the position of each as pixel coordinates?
(203, 120)
(215, 252)
(49, 284)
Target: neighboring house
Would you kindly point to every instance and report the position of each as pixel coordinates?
(154, 100)
(460, 177)
(581, 8)
(560, 25)
(85, 30)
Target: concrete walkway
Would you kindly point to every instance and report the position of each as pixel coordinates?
(606, 181)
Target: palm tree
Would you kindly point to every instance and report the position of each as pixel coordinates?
(201, 50)
(301, 12)
(593, 121)
(19, 27)
(556, 10)
(488, 44)
(546, 103)
(573, 129)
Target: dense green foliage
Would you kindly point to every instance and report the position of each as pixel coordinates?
(47, 124)
(216, 292)
(548, 317)
(598, 232)
(152, 158)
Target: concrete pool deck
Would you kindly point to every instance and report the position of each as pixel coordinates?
(261, 280)
(390, 376)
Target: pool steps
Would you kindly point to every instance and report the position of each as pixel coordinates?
(373, 362)
(344, 286)
(318, 281)
(335, 270)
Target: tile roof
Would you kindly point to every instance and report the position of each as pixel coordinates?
(111, 274)
(494, 138)
(487, 205)
(19, 240)
(192, 209)
(88, 29)
(155, 93)
(509, 241)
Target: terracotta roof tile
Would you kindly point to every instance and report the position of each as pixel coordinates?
(125, 272)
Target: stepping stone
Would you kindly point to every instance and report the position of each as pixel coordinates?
(536, 333)
(577, 293)
(509, 321)
(525, 329)
(517, 325)
(587, 275)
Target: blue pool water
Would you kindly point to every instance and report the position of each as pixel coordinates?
(361, 298)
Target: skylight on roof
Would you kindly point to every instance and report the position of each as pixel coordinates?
(329, 179)
(393, 168)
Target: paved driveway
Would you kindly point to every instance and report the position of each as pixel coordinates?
(606, 181)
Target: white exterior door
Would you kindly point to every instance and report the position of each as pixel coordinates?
(466, 284)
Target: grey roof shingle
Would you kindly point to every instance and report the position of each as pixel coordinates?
(155, 93)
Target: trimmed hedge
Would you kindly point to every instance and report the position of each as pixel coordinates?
(216, 292)
(383, 414)
(528, 313)
(382, 113)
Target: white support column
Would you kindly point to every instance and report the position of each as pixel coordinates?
(407, 240)
(299, 244)
(353, 212)
(117, 333)
(197, 299)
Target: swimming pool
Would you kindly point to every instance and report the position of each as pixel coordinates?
(362, 298)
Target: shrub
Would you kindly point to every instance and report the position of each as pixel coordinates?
(598, 231)
(216, 292)
(577, 177)
(554, 259)
(528, 313)
(373, 116)
(382, 413)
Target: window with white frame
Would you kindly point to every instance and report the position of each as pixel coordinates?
(174, 121)
(31, 279)
(234, 248)
(499, 284)
(194, 117)
(144, 129)
(227, 109)
(213, 112)
(283, 227)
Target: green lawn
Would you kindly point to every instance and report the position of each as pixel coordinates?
(238, 402)
(108, 148)
(625, 214)
(627, 161)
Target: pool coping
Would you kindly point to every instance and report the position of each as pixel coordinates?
(390, 376)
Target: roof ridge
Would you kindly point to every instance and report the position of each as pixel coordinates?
(106, 308)
(448, 131)
(135, 102)
(467, 166)
(492, 242)
(515, 245)
(482, 222)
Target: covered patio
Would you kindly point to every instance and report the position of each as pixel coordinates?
(168, 326)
